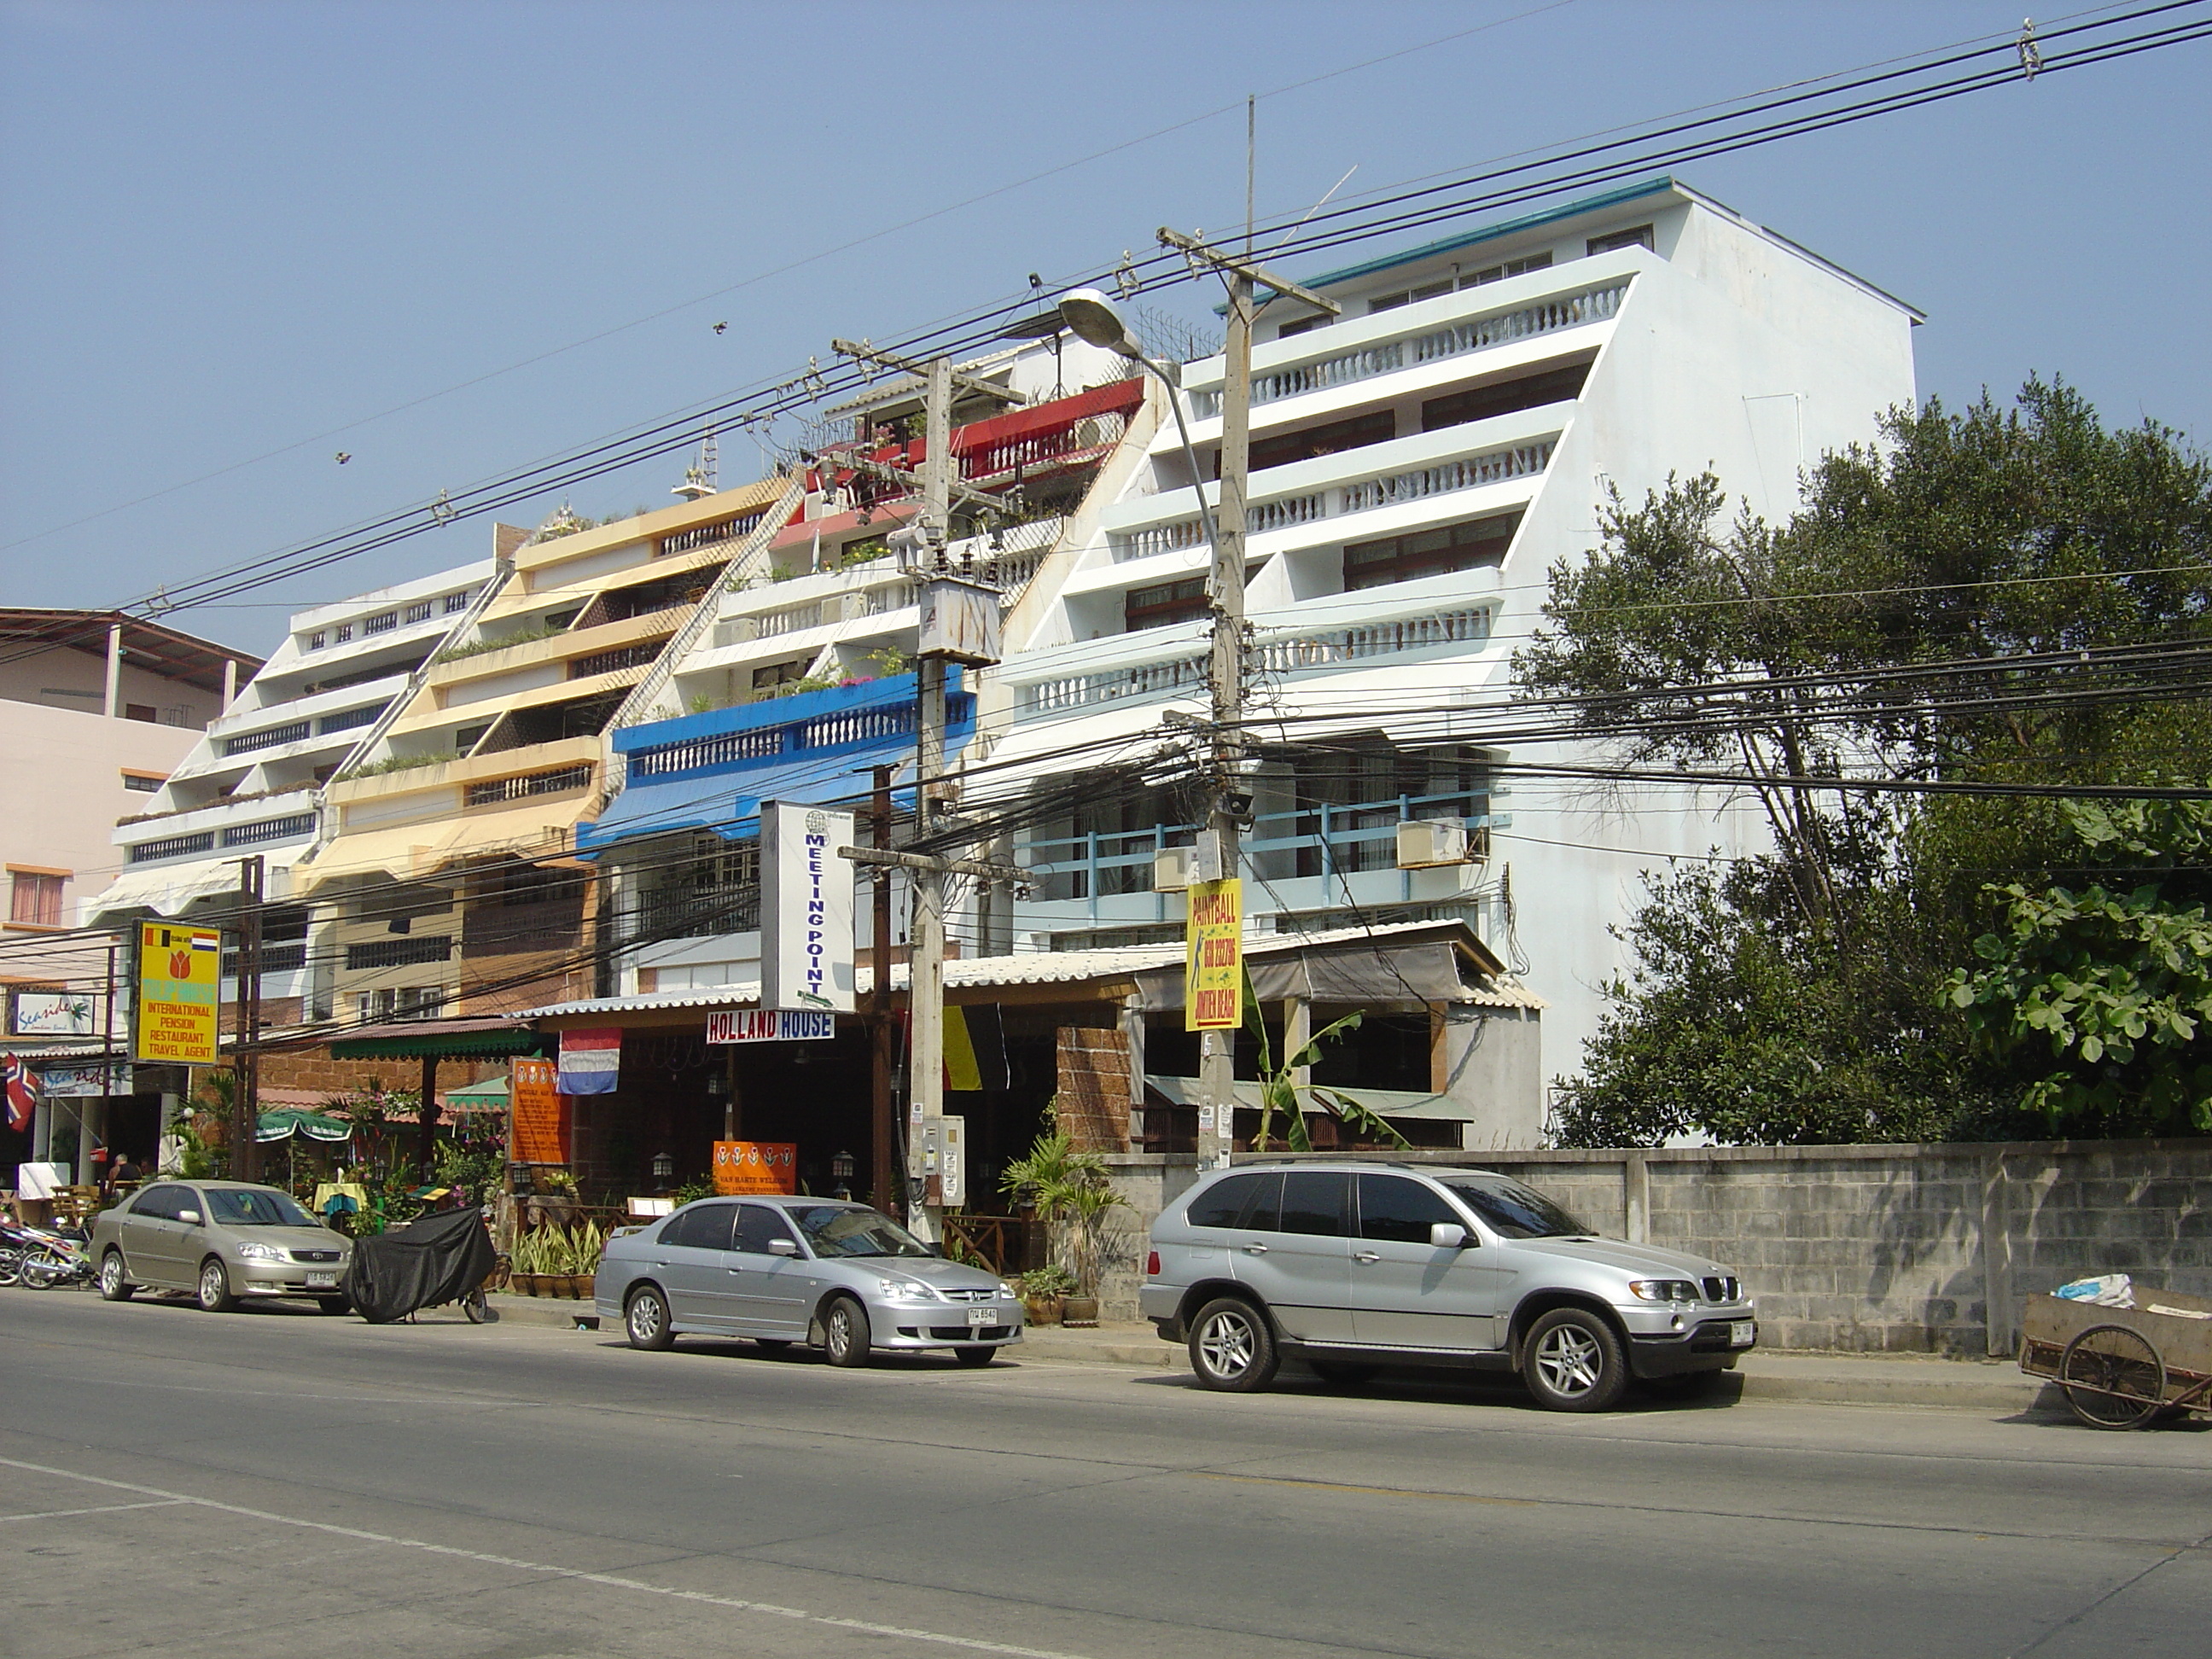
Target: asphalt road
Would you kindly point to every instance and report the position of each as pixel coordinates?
(278, 1483)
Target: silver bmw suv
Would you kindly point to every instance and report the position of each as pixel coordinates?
(1352, 1266)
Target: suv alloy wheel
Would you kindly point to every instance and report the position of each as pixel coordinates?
(1573, 1361)
(1232, 1346)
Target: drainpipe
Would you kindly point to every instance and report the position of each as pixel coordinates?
(114, 705)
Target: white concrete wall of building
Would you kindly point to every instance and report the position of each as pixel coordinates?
(78, 680)
(65, 769)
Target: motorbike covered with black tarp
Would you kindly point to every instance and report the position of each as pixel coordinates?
(437, 1259)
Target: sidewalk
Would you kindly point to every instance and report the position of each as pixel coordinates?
(1840, 1379)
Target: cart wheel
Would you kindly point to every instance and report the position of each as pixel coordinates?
(2112, 1377)
(479, 1311)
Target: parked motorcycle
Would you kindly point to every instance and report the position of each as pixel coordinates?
(41, 1258)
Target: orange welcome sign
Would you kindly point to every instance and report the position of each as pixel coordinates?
(756, 1166)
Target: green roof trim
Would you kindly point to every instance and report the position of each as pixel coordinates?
(442, 1045)
(1491, 233)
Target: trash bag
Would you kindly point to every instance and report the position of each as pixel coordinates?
(2108, 1290)
(438, 1258)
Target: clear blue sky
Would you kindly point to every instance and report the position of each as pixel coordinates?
(227, 228)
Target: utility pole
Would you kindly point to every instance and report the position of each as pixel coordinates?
(949, 634)
(883, 1025)
(245, 1054)
(1230, 804)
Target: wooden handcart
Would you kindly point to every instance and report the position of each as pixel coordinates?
(2122, 1368)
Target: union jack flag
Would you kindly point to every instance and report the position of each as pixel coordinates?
(22, 1100)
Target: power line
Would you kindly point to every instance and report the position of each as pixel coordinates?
(1155, 270)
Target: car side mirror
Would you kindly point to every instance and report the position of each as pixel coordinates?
(192, 1216)
(1449, 1236)
(782, 1246)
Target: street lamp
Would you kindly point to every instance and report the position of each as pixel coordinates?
(1090, 316)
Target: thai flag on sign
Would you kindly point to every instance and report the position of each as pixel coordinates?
(22, 1100)
(591, 1062)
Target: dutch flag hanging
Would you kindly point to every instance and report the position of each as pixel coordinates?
(591, 1062)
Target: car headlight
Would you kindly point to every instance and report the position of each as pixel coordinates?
(903, 1290)
(251, 1251)
(1007, 1290)
(1662, 1290)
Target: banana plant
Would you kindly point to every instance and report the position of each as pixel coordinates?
(1278, 1093)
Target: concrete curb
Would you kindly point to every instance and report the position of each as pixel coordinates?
(1896, 1379)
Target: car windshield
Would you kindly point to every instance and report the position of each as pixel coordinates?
(257, 1209)
(842, 1230)
(1512, 1210)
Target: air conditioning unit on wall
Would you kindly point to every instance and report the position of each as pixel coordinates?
(1431, 843)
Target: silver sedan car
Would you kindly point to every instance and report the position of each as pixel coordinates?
(221, 1240)
(833, 1274)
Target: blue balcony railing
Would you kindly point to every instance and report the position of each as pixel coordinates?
(1323, 839)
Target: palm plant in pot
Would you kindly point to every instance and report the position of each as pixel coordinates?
(1072, 1194)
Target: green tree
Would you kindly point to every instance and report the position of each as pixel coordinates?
(1806, 993)
(2115, 981)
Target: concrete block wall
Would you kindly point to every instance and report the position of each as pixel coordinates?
(1897, 1248)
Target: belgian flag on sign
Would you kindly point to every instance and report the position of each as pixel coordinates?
(975, 1048)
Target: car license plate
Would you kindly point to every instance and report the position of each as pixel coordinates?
(1741, 1334)
(979, 1318)
(314, 1279)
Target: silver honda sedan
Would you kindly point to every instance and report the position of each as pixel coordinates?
(779, 1270)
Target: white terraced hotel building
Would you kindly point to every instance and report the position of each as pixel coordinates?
(1419, 463)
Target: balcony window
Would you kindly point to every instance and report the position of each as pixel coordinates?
(1636, 236)
(1480, 403)
(767, 679)
(383, 624)
(418, 613)
(1164, 604)
(142, 783)
(1429, 552)
(1500, 273)
(456, 603)
(34, 898)
(1378, 427)
(344, 633)
(1409, 296)
(399, 1002)
(316, 641)
(1350, 803)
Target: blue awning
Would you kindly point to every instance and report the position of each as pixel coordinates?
(711, 771)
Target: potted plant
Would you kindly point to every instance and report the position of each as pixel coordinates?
(1043, 1289)
(1073, 1192)
(526, 1263)
(586, 1244)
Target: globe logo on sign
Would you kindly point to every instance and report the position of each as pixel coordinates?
(818, 824)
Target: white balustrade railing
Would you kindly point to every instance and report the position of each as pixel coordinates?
(1593, 305)
(1289, 652)
(1470, 472)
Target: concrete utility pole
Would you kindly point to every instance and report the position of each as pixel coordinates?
(245, 1052)
(1232, 802)
(925, 969)
(938, 483)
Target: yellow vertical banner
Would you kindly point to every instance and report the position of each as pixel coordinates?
(179, 978)
(1213, 976)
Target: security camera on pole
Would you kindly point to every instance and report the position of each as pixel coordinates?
(1213, 982)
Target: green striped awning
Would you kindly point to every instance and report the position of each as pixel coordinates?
(440, 1039)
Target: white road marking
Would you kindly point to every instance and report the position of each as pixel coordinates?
(612, 1581)
(105, 1509)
